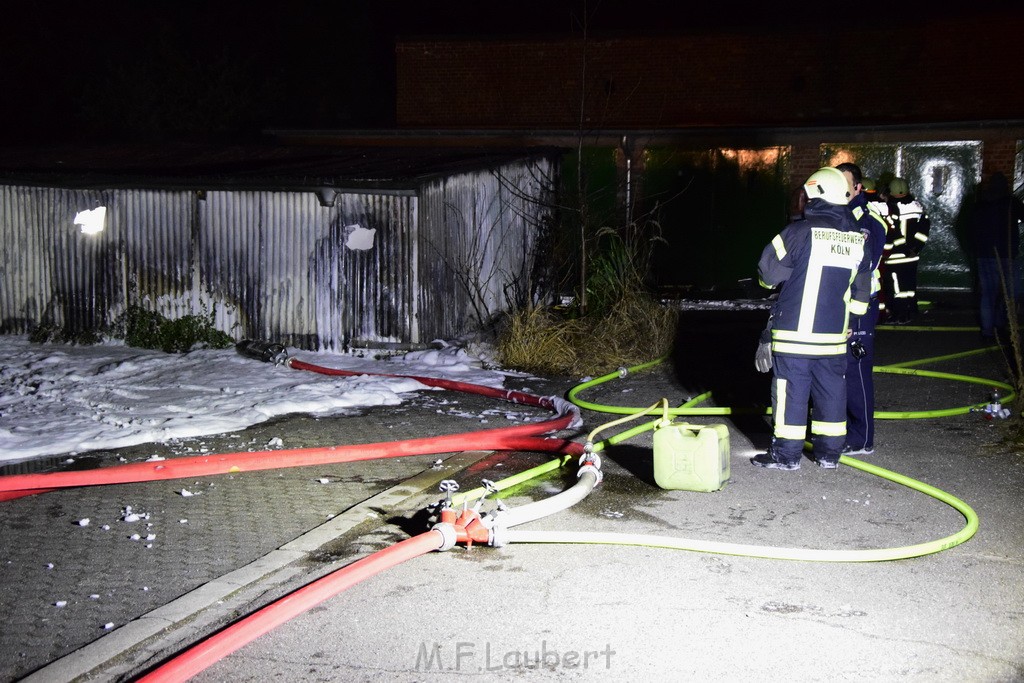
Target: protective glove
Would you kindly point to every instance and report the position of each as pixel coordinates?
(763, 355)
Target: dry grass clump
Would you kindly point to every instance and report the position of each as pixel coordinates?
(634, 330)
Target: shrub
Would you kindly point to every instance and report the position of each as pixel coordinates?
(150, 330)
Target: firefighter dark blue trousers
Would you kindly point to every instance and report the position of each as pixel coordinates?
(860, 384)
(799, 379)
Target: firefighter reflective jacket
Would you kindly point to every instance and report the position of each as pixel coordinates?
(825, 273)
(881, 209)
(909, 232)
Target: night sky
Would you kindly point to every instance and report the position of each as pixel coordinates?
(148, 70)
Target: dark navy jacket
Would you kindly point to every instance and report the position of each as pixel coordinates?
(825, 272)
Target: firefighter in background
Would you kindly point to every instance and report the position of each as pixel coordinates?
(907, 237)
(820, 263)
(878, 205)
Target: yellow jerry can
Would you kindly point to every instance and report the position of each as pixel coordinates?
(691, 457)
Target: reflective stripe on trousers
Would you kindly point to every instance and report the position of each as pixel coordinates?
(799, 382)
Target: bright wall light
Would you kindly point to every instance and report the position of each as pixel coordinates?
(91, 220)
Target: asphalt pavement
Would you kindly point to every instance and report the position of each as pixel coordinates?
(114, 599)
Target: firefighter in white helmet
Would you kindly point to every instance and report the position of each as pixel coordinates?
(907, 237)
(824, 272)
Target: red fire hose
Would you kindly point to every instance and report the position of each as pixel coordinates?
(521, 437)
(205, 653)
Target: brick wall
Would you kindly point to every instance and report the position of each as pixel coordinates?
(936, 72)
(803, 161)
(914, 77)
(998, 155)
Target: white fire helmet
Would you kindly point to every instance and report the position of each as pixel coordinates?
(829, 184)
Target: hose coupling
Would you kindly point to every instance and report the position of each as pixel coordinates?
(448, 535)
(623, 371)
(268, 352)
(591, 468)
(592, 459)
(499, 536)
